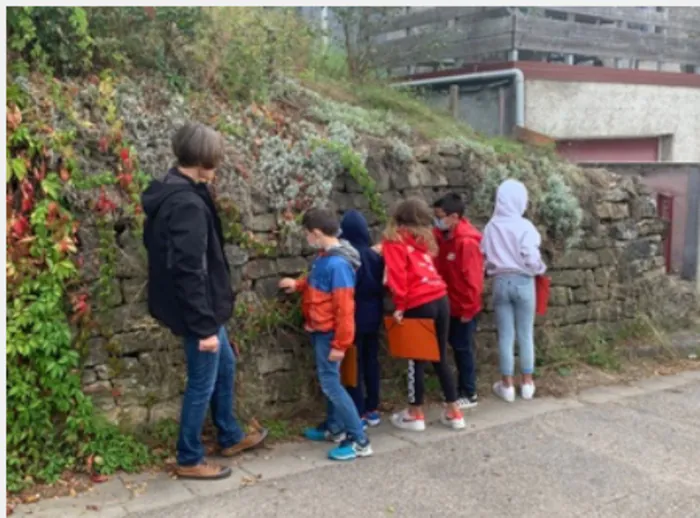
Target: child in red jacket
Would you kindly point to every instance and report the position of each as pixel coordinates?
(461, 265)
(418, 291)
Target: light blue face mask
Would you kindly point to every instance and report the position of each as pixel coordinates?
(439, 224)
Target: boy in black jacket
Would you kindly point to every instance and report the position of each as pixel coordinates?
(189, 291)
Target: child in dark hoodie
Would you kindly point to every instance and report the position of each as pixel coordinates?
(369, 310)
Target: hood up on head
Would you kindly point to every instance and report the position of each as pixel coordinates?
(355, 230)
(511, 199)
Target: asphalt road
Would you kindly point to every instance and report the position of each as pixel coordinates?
(636, 455)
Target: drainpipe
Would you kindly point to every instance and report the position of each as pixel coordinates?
(515, 73)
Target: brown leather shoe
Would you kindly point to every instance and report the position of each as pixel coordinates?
(203, 471)
(250, 441)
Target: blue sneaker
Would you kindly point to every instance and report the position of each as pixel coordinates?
(372, 419)
(350, 449)
(321, 434)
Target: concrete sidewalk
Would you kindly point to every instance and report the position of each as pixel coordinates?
(626, 450)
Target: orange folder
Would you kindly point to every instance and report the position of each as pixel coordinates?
(348, 368)
(413, 338)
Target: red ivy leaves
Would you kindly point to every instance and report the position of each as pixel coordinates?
(104, 205)
(81, 306)
(125, 180)
(20, 227)
(27, 190)
(103, 144)
(14, 117)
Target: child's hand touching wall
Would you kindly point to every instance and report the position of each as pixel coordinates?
(288, 285)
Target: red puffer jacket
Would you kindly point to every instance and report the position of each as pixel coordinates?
(410, 273)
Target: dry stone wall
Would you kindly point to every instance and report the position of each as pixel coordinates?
(136, 371)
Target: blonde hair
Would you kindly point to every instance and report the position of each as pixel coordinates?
(414, 217)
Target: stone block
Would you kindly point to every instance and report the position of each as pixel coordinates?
(643, 207)
(235, 255)
(96, 352)
(603, 276)
(101, 395)
(343, 200)
(612, 211)
(138, 341)
(423, 153)
(263, 223)
(103, 372)
(594, 242)
(267, 288)
(274, 361)
(378, 172)
(291, 265)
(608, 256)
(108, 300)
(615, 195)
(260, 268)
(166, 410)
(131, 257)
(624, 230)
(570, 278)
(574, 314)
(644, 248)
(416, 175)
(130, 317)
(560, 296)
(447, 148)
(648, 227)
(89, 377)
(134, 290)
(576, 259)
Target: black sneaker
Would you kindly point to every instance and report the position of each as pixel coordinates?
(468, 402)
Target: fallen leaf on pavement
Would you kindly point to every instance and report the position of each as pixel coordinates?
(92, 507)
(250, 481)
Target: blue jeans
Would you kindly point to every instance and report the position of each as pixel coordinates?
(514, 305)
(367, 345)
(461, 339)
(341, 412)
(210, 382)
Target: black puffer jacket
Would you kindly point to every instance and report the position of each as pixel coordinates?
(189, 282)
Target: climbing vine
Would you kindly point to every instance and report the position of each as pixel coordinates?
(49, 309)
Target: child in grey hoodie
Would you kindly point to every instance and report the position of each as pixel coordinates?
(511, 246)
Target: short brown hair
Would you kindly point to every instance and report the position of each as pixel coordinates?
(197, 145)
(321, 219)
(414, 216)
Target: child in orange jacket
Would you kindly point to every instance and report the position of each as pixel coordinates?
(328, 305)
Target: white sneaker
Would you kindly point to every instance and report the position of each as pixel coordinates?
(406, 421)
(454, 421)
(466, 403)
(527, 391)
(507, 394)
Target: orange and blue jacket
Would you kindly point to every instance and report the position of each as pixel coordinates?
(328, 295)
